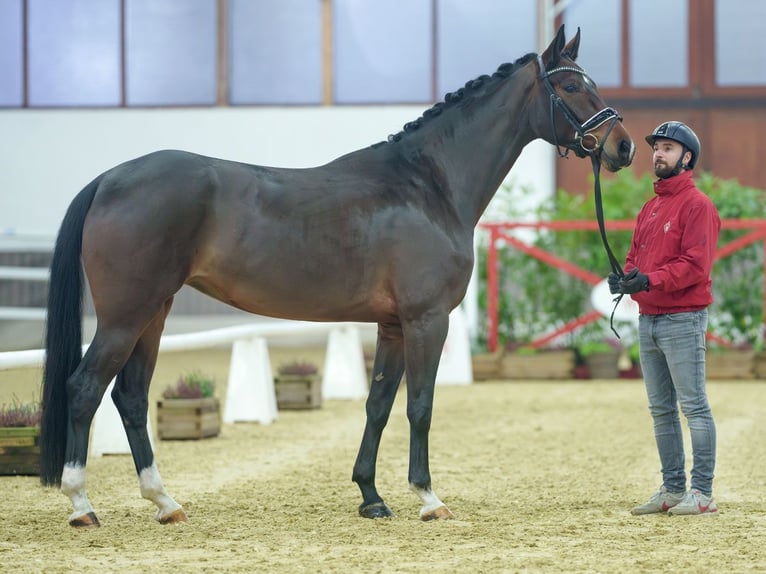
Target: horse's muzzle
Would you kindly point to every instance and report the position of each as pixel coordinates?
(622, 157)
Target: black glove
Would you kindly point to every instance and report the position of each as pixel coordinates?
(614, 283)
(634, 282)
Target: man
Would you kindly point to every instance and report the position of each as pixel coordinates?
(668, 274)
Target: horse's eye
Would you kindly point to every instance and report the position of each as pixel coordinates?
(571, 88)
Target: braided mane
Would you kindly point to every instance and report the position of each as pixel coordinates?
(451, 98)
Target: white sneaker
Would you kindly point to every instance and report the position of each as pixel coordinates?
(661, 501)
(695, 502)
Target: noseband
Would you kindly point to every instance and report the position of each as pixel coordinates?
(583, 136)
(581, 149)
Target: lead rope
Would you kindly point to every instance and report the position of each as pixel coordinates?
(613, 262)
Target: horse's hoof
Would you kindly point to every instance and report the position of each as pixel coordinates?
(375, 510)
(89, 520)
(439, 513)
(175, 517)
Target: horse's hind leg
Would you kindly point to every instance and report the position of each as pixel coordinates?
(131, 396)
(85, 388)
(386, 376)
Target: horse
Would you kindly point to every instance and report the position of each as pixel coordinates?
(383, 234)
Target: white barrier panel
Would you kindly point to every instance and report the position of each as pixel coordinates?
(455, 366)
(24, 273)
(23, 314)
(19, 359)
(201, 340)
(108, 436)
(603, 302)
(345, 376)
(250, 395)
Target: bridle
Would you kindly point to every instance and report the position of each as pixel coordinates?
(583, 131)
(583, 137)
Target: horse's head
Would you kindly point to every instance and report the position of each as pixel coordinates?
(569, 111)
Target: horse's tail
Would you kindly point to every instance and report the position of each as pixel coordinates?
(63, 337)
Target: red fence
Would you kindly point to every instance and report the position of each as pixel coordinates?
(502, 232)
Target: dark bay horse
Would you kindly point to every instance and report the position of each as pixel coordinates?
(383, 234)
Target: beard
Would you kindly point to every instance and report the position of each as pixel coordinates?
(663, 170)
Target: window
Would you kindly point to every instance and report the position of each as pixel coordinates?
(74, 52)
(11, 65)
(474, 38)
(659, 43)
(600, 27)
(170, 52)
(739, 55)
(275, 52)
(382, 51)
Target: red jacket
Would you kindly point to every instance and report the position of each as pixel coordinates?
(674, 244)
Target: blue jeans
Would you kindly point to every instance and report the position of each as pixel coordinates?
(672, 350)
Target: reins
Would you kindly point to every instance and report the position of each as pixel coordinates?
(583, 131)
(613, 262)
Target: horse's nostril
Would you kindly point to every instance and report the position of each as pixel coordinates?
(626, 150)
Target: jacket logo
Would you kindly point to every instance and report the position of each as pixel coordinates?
(666, 227)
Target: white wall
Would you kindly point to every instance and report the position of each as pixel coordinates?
(47, 156)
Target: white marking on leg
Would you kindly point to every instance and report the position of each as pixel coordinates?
(73, 485)
(430, 500)
(150, 484)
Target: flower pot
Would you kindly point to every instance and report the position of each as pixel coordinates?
(188, 418)
(603, 365)
(20, 450)
(298, 391)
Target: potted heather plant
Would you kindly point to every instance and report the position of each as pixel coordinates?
(19, 438)
(298, 385)
(188, 409)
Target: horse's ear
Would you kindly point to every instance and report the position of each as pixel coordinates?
(552, 53)
(573, 47)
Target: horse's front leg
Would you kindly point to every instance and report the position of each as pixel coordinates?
(386, 376)
(423, 339)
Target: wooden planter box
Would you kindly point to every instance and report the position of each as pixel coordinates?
(557, 364)
(298, 391)
(759, 365)
(486, 365)
(20, 450)
(729, 364)
(188, 418)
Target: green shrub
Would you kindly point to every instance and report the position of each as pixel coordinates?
(737, 312)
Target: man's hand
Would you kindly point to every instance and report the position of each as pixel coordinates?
(634, 282)
(614, 283)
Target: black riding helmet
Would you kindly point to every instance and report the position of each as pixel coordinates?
(680, 132)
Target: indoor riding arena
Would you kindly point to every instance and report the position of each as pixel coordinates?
(431, 191)
(540, 476)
